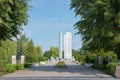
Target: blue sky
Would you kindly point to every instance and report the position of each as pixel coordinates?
(47, 19)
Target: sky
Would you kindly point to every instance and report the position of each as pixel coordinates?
(47, 18)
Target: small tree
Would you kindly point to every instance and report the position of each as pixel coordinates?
(29, 49)
(20, 42)
(52, 52)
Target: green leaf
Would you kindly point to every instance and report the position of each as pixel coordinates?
(1, 21)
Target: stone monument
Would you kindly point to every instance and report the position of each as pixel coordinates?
(22, 59)
(68, 45)
(14, 59)
(60, 46)
(100, 60)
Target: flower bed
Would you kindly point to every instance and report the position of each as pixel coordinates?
(61, 64)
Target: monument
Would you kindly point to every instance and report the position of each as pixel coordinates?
(68, 45)
(60, 46)
(22, 60)
(14, 59)
(100, 60)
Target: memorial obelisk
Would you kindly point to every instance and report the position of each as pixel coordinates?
(68, 45)
(60, 45)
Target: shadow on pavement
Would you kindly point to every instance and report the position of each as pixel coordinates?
(55, 78)
(79, 69)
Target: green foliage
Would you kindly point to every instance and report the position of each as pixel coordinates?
(99, 23)
(110, 68)
(13, 15)
(105, 56)
(2, 66)
(20, 43)
(78, 56)
(11, 68)
(52, 52)
(61, 64)
(19, 66)
(7, 49)
(91, 58)
(27, 65)
(29, 50)
(47, 54)
(38, 50)
(42, 58)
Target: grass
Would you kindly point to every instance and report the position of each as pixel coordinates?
(3, 73)
(61, 64)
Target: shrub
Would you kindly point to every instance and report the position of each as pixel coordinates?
(43, 58)
(10, 68)
(80, 58)
(2, 66)
(91, 58)
(19, 66)
(27, 65)
(61, 64)
(105, 56)
(110, 68)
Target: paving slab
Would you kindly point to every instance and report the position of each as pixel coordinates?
(49, 72)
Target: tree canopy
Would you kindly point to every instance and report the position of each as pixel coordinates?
(52, 52)
(99, 23)
(20, 45)
(13, 15)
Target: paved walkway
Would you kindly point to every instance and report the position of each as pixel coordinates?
(49, 72)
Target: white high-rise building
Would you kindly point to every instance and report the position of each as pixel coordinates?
(60, 45)
(68, 45)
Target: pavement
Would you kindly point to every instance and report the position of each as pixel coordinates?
(49, 72)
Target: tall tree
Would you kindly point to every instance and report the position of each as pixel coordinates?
(99, 23)
(38, 50)
(7, 49)
(20, 43)
(29, 50)
(52, 52)
(13, 14)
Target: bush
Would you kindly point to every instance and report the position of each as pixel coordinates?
(43, 58)
(105, 56)
(80, 57)
(91, 58)
(10, 68)
(2, 66)
(19, 66)
(110, 68)
(27, 65)
(61, 64)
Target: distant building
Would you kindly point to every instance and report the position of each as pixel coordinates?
(68, 45)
